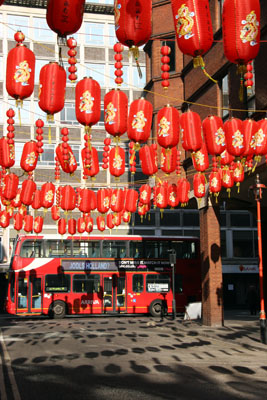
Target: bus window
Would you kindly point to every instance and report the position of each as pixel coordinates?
(138, 283)
(184, 249)
(12, 288)
(151, 249)
(58, 248)
(136, 249)
(57, 283)
(86, 283)
(164, 248)
(157, 283)
(80, 248)
(178, 283)
(31, 248)
(93, 249)
(114, 249)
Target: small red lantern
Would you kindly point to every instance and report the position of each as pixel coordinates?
(161, 194)
(72, 43)
(88, 200)
(89, 224)
(55, 213)
(259, 140)
(81, 225)
(22, 210)
(62, 226)
(118, 57)
(126, 216)
(72, 226)
(140, 120)
(28, 188)
(20, 70)
(165, 67)
(38, 224)
(148, 159)
(28, 223)
(18, 221)
(87, 102)
(131, 200)
(52, 88)
(214, 135)
(29, 156)
(215, 183)
(226, 158)
(16, 201)
(173, 197)
(117, 200)
(168, 160)
(36, 203)
(68, 198)
(103, 200)
(238, 174)
(145, 194)
(190, 123)
(116, 111)
(117, 161)
(110, 221)
(10, 186)
(91, 169)
(47, 194)
(7, 153)
(68, 165)
(4, 219)
(235, 141)
(100, 221)
(250, 128)
(199, 185)
(183, 188)
(201, 159)
(168, 127)
(65, 17)
(227, 178)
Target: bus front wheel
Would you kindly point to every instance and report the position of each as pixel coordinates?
(156, 308)
(58, 310)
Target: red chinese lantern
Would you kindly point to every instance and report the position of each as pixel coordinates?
(22, 210)
(20, 70)
(126, 216)
(214, 135)
(117, 161)
(100, 221)
(131, 200)
(52, 86)
(47, 195)
(241, 30)
(161, 194)
(173, 197)
(87, 102)
(168, 127)
(117, 200)
(7, 153)
(139, 121)
(72, 226)
(10, 186)
(81, 225)
(28, 188)
(259, 140)
(145, 194)
(165, 67)
(133, 23)
(199, 185)
(28, 223)
(62, 226)
(226, 158)
(168, 159)
(191, 129)
(18, 221)
(68, 198)
(116, 111)
(148, 160)
(88, 200)
(91, 169)
(227, 178)
(89, 224)
(235, 141)
(55, 213)
(215, 183)
(249, 128)
(103, 200)
(183, 188)
(201, 159)
(72, 43)
(110, 221)
(238, 174)
(36, 203)
(68, 165)
(38, 224)
(16, 201)
(29, 156)
(4, 219)
(117, 219)
(10, 211)
(193, 28)
(65, 17)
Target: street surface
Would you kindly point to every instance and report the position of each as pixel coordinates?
(131, 358)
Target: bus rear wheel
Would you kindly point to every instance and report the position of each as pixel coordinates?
(58, 309)
(157, 308)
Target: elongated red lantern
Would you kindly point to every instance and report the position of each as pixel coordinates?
(100, 221)
(161, 194)
(148, 159)
(10, 187)
(28, 188)
(191, 129)
(117, 200)
(259, 140)
(22, 210)
(47, 194)
(62, 226)
(10, 211)
(38, 224)
(103, 200)
(214, 135)
(116, 112)
(238, 174)
(140, 120)
(131, 200)
(28, 223)
(29, 156)
(18, 221)
(215, 183)
(168, 127)
(93, 168)
(72, 226)
(199, 185)
(89, 224)
(145, 194)
(87, 102)
(226, 158)
(201, 159)
(126, 216)
(68, 198)
(227, 179)
(235, 141)
(81, 225)
(241, 30)
(193, 28)
(173, 196)
(88, 200)
(168, 160)
(7, 153)
(110, 221)
(4, 219)
(20, 70)
(69, 165)
(36, 203)
(55, 213)
(16, 201)
(117, 161)
(183, 188)
(52, 86)
(65, 17)
(249, 129)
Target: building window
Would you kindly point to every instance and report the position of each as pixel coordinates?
(48, 156)
(243, 244)
(96, 71)
(94, 33)
(68, 115)
(138, 81)
(16, 22)
(240, 220)
(39, 64)
(112, 39)
(25, 115)
(225, 96)
(191, 219)
(223, 243)
(42, 33)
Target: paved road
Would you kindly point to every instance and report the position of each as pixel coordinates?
(131, 358)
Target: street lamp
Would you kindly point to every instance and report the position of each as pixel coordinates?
(172, 258)
(257, 189)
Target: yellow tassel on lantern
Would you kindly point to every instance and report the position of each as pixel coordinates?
(134, 51)
(199, 62)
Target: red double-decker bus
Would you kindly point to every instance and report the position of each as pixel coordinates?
(101, 274)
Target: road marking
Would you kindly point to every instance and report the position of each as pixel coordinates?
(7, 362)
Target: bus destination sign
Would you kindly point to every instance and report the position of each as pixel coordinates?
(114, 265)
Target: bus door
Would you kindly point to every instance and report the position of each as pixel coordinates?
(29, 294)
(114, 299)
(22, 294)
